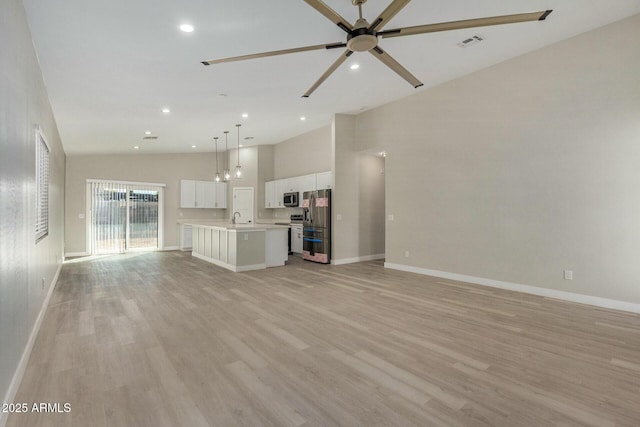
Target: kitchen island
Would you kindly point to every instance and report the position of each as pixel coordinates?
(240, 247)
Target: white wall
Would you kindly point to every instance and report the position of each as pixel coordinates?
(27, 269)
(522, 170)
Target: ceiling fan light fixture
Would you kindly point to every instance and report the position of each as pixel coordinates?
(186, 28)
(362, 43)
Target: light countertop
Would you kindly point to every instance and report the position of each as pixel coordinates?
(226, 225)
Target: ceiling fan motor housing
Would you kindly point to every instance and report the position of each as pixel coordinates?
(360, 39)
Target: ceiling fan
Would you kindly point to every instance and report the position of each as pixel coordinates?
(363, 36)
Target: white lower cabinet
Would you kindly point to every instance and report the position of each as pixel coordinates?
(296, 239)
(186, 237)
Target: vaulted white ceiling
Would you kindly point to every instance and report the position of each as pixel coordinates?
(111, 66)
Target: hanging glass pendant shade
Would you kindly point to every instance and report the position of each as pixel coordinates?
(227, 174)
(215, 140)
(238, 167)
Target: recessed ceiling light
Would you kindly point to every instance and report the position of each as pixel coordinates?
(135, 147)
(186, 28)
(166, 110)
(354, 66)
(147, 132)
(245, 115)
(241, 145)
(303, 118)
(193, 146)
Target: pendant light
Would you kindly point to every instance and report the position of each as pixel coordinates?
(215, 139)
(238, 167)
(227, 174)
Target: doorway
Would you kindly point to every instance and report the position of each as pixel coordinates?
(243, 204)
(124, 216)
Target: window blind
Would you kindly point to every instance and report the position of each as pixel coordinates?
(42, 188)
(124, 216)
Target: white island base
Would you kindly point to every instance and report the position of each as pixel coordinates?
(242, 247)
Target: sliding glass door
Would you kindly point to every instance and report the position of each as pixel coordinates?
(124, 216)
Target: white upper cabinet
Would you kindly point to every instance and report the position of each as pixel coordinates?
(206, 191)
(279, 193)
(202, 194)
(270, 194)
(221, 195)
(291, 185)
(187, 194)
(307, 183)
(323, 180)
(274, 190)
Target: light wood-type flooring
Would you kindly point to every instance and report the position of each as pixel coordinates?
(163, 339)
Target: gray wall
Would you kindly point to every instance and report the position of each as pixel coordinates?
(522, 170)
(23, 263)
(304, 154)
(358, 195)
(166, 169)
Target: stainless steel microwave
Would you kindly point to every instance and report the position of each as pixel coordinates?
(291, 200)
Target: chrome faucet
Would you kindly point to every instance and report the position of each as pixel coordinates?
(233, 220)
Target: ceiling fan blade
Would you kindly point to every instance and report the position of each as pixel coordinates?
(327, 73)
(386, 15)
(274, 53)
(395, 66)
(331, 14)
(467, 23)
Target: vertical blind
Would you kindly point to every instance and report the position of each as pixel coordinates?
(42, 187)
(124, 216)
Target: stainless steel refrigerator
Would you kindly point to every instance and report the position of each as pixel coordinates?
(316, 234)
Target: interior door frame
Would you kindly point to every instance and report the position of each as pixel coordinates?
(88, 219)
(253, 202)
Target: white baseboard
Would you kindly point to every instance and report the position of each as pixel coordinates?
(170, 248)
(357, 259)
(534, 290)
(75, 254)
(26, 354)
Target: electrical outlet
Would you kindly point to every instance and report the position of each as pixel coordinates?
(259, 214)
(246, 236)
(406, 254)
(568, 275)
(339, 217)
(390, 217)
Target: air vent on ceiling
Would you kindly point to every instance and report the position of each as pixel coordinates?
(470, 41)
(150, 138)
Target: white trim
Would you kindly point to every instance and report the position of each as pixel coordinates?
(75, 254)
(26, 354)
(357, 259)
(111, 181)
(234, 268)
(253, 203)
(527, 289)
(169, 248)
